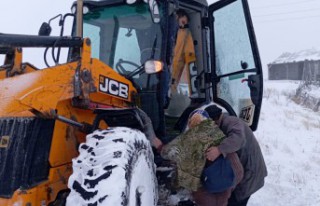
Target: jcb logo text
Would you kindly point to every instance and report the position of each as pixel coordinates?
(113, 87)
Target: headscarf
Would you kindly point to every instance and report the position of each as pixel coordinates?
(196, 117)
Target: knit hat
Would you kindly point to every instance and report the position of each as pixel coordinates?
(196, 117)
(213, 111)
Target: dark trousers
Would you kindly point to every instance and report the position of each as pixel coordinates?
(234, 202)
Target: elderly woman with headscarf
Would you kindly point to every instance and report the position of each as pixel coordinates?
(211, 183)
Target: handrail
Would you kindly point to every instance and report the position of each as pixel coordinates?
(18, 40)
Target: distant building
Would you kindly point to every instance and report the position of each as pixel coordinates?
(303, 65)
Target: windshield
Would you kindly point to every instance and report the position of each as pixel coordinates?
(124, 37)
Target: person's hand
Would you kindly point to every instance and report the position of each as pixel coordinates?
(156, 142)
(212, 153)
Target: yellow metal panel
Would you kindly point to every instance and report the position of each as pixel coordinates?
(44, 193)
(38, 90)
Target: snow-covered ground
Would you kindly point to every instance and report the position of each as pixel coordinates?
(289, 136)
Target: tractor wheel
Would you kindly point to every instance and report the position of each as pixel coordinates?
(114, 167)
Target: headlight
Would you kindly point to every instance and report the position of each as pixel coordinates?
(153, 66)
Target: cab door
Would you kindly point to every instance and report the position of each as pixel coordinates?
(236, 71)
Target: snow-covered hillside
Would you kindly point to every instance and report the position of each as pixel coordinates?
(289, 136)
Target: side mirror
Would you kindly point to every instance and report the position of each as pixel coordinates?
(45, 29)
(153, 66)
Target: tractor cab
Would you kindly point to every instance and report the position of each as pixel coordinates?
(226, 70)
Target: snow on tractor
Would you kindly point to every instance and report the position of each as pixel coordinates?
(72, 133)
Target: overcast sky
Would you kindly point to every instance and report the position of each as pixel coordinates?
(280, 25)
(285, 26)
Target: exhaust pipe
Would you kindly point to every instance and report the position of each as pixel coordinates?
(79, 18)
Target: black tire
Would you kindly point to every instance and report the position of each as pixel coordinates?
(114, 167)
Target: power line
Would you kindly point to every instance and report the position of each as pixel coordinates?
(288, 19)
(284, 4)
(281, 13)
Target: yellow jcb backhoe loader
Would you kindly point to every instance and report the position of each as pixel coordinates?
(119, 59)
